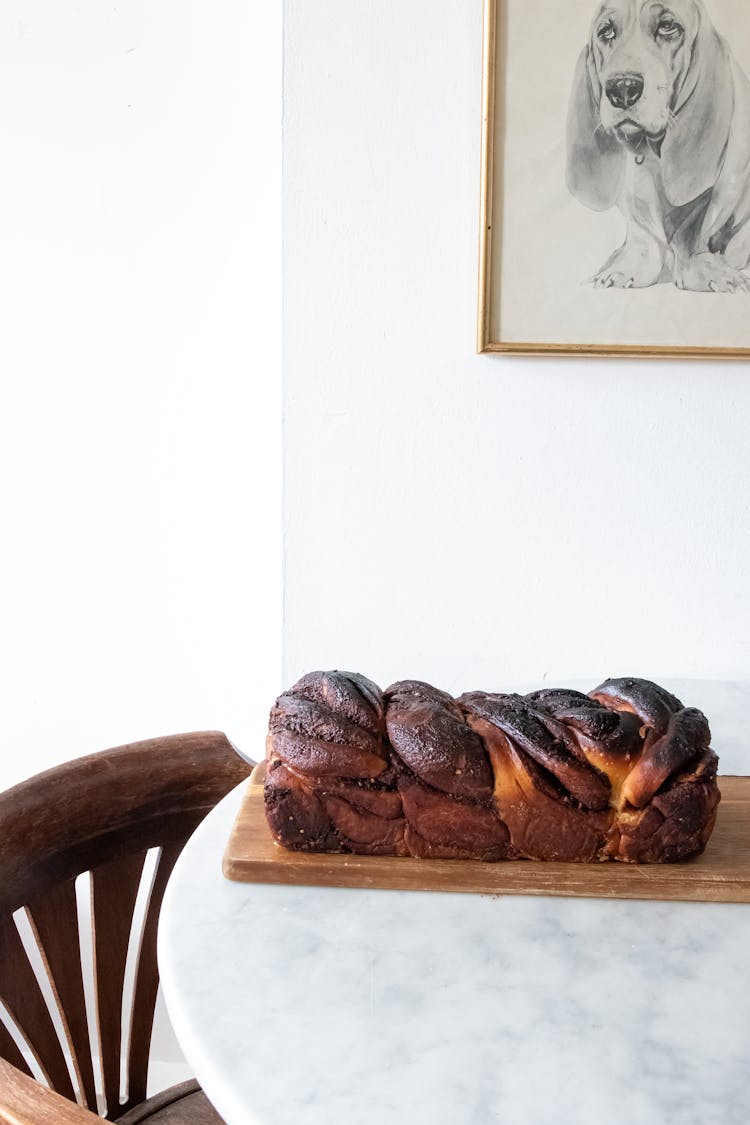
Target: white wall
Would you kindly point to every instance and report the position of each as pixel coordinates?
(473, 521)
(140, 405)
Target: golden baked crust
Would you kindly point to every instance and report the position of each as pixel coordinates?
(625, 772)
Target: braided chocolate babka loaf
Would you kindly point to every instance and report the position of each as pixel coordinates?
(624, 773)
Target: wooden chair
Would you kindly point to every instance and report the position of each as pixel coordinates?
(99, 816)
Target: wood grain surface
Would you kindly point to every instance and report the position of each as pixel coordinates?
(721, 874)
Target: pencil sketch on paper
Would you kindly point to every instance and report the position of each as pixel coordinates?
(659, 125)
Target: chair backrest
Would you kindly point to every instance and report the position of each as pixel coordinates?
(101, 817)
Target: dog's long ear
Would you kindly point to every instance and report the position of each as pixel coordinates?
(696, 140)
(596, 161)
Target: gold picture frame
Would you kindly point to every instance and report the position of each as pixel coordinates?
(493, 173)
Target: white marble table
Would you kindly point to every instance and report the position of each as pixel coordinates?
(305, 1006)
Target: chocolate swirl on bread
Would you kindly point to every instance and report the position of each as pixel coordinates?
(624, 773)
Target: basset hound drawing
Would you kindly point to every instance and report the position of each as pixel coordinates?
(659, 124)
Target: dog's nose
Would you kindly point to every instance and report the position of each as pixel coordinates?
(624, 90)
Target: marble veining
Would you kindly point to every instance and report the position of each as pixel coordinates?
(310, 1006)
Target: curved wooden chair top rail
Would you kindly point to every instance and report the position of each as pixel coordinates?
(119, 818)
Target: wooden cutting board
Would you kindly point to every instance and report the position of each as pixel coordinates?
(722, 874)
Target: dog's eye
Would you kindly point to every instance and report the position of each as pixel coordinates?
(607, 32)
(668, 28)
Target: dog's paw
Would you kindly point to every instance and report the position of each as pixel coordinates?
(633, 266)
(614, 279)
(709, 273)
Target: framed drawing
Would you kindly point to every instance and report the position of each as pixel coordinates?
(616, 178)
